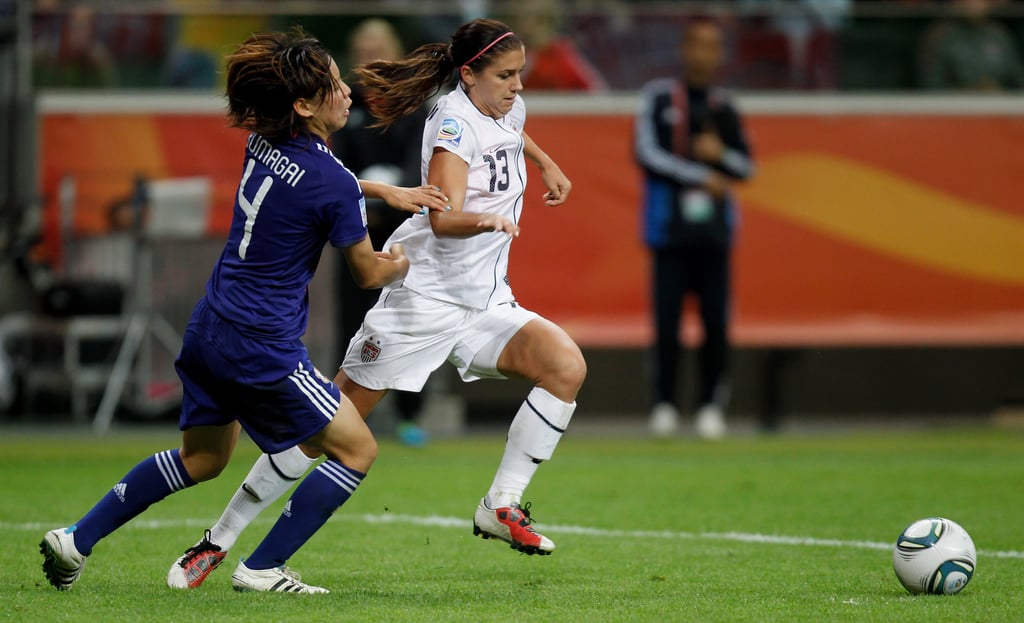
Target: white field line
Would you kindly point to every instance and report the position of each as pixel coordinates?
(436, 521)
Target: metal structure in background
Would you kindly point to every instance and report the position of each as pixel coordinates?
(17, 122)
(173, 209)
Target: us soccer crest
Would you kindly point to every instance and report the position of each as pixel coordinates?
(370, 352)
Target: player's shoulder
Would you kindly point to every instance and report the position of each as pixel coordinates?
(659, 86)
(451, 120)
(518, 111)
(454, 105)
(332, 170)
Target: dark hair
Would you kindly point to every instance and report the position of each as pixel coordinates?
(268, 73)
(400, 87)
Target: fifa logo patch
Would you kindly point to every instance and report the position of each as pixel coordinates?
(370, 352)
(450, 132)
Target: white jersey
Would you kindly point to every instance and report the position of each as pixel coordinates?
(469, 271)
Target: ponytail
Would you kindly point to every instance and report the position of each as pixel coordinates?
(399, 88)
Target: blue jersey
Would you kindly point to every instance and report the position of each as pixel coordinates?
(294, 197)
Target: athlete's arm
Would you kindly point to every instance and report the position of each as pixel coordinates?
(555, 181)
(736, 158)
(657, 159)
(406, 199)
(451, 173)
(375, 270)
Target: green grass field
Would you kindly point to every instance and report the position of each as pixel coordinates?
(783, 528)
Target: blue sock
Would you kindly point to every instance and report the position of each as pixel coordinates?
(148, 482)
(317, 497)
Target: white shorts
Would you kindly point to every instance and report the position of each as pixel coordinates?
(406, 336)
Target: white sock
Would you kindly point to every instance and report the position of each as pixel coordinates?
(270, 478)
(532, 438)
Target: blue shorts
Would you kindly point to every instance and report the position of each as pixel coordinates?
(272, 388)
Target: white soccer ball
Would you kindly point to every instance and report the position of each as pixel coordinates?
(934, 555)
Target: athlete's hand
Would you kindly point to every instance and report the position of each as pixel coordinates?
(707, 147)
(396, 254)
(493, 222)
(557, 183)
(416, 200)
(717, 185)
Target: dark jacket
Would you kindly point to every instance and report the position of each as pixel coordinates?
(676, 211)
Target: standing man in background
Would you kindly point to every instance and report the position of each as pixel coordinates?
(690, 143)
(391, 156)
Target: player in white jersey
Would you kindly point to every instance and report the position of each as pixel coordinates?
(455, 303)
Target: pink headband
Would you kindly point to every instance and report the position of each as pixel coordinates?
(488, 47)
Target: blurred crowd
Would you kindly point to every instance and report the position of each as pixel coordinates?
(573, 45)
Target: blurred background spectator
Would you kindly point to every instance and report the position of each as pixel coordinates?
(68, 48)
(970, 51)
(578, 45)
(691, 144)
(790, 43)
(553, 62)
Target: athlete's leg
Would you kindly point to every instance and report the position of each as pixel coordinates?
(268, 479)
(204, 452)
(713, 391)
(362, 398)
(714, 313)
(669, 285)
(669, 282)
(543, 353)
(273, 474)
(351, 450)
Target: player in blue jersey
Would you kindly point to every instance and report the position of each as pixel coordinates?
(455, 304)
(242, 361)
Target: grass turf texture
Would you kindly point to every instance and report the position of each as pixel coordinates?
(402, 548)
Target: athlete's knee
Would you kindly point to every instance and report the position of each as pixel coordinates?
(203, 465)
(566, 374)
(356, 451)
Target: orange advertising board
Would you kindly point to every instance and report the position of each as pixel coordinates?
(858, 228)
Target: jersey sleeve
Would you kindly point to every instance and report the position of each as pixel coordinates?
(454, 134)
(518, 114)
(345, 209)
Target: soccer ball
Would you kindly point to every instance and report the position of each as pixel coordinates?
(934, 555)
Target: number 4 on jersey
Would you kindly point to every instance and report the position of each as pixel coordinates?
(252, 208)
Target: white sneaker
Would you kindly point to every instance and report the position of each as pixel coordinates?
(710, 422)
(276, 580)
(664, 420)
(62, 563)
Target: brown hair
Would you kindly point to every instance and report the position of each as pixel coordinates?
(402, 86)
(268, 73)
